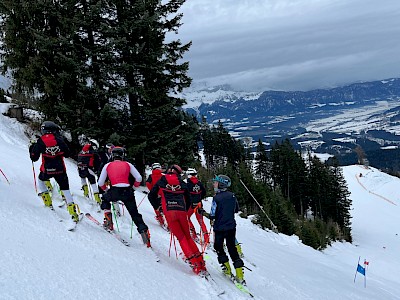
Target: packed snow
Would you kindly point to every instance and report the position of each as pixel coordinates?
(41, 259)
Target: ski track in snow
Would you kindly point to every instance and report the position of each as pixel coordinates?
(40, 259)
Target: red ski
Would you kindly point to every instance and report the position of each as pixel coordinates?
(113, 233)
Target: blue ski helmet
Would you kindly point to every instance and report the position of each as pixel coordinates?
(223, 181)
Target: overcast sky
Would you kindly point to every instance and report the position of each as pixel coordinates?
(291, 44)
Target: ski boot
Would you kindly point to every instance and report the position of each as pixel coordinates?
(47, 183)
(97, 197)
(85, 189)
(73, 210)
(198, 265)
(46, 199)
(239, 250)
(226, 269)
(240, 276)
(145, 234)
(108, 222)
(160, 219)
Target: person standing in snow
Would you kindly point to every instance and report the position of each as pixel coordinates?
(53, 149)
(155, 176)
(118, 172)
(105, 156)
(88, 163)
(175, 203)
(197, 192)
(222, 216)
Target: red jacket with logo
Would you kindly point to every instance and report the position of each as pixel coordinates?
(53, 150)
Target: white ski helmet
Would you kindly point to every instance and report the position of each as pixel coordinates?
(156, 166)
(94, 143)
(191, 172)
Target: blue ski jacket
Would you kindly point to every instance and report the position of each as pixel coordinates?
(223, 209)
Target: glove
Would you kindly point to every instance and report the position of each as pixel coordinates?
(211, 222)
(136, 184)
(201, 211)
(32, 141)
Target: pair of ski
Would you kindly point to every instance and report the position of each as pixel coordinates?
(206, 276)
(212, 283)
(116, 235)
(242, 287)
(70, 224)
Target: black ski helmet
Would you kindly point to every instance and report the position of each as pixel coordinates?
(49, 127)
(118, 153)
(223, 181)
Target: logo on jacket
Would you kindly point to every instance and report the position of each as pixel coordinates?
(53, 150)
(196, 188)
(173, 187)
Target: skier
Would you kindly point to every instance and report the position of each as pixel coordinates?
(105, 156)
(88, 163)
(118, 172)
(53, 150)
(222, 216)
(175, 200)
(197, 193)
(155, 175)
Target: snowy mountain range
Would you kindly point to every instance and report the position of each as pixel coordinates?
(40, 259)
(348, 109)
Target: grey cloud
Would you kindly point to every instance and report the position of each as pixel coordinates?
(292, 45)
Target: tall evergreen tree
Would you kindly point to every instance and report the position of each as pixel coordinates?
(262, 165)
(289, 174)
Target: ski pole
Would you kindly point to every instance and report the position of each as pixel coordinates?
(176, 252)
(132, 229)
(170, 244)
(34, 177)
(123, 207)
(5, 175)
(115, 215)
(274, 228)
(142, 200)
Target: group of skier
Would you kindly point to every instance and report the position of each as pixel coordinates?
(174, 199)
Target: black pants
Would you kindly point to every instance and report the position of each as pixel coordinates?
(85, 173)
(126, 195)
(61, 179)
(229, 236)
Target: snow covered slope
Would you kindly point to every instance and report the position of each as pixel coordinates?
(40, 259)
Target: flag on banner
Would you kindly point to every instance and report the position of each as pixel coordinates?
(361, 269)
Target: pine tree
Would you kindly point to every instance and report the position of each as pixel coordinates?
(289, 174)
(149, 72)
(262, 165)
